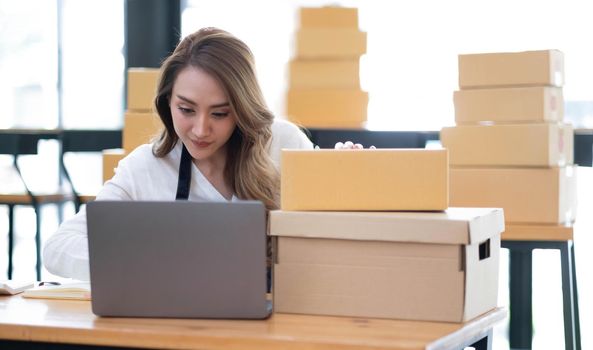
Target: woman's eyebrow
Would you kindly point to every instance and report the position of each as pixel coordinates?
(223, 104)
(218, 105)
(186, 100)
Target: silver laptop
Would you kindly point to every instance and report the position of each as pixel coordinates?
(178, 259)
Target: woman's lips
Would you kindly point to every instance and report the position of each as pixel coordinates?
(201, 144)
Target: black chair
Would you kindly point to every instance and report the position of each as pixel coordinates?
(86, 140)
(16, 191)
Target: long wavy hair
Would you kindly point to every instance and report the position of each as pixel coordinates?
(249, 168)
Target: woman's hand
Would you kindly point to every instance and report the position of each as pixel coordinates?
(350, 145)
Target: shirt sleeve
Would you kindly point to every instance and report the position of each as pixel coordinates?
(286, 135)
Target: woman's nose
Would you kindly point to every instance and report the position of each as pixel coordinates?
(201, 126)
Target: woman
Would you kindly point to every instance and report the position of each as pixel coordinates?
(220, 142)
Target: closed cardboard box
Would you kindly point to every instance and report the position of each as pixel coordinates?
(544, 67)
(329, 16)
(139, 128)
(330, 43)
(505, 105)
(528, 195)
(142, 88)
(327, 108)
(437, 266)
(381, 179)
(111, 158)
(538, 145)
(325, 74)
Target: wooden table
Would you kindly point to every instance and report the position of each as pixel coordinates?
(71, 322)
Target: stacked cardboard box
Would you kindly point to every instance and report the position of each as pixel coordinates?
(510, 148)
(141, 123)
(324, 89)
(368, 233)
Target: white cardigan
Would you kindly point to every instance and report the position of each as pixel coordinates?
(142, 176)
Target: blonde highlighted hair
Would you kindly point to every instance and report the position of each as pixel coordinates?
(249, 169)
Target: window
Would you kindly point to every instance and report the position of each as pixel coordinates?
(28, 64)
(93, 65)
(35, 35)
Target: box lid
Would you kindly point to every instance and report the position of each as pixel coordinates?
(452, 226)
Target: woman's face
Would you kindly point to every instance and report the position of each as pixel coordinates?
(202, 116)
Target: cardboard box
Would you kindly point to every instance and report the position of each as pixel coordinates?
(330, 43)
(541, 144)
(524, 104)
(538, 232)
(328, 74)
(381, 179)
(142, 88)
(329, 16)
(511, 69)
(327, 108)
(528, 195)
(437, 266)
(111, 158)
(139, 128)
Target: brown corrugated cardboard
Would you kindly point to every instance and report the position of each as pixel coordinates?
(381, 179)
(328, 74)
(528, 195)
(111, 158)
(524, 104)
(442, 227)
(382, 270)
(538, 144)
(326, 108)
(511, 69)
(139, 128)
(538, 232)
(142, 86)
(330, 43)
(329, 16)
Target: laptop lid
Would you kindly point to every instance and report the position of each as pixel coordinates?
(178, 259)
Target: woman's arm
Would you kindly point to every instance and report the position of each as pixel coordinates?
(65, 253)
(286, 135)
